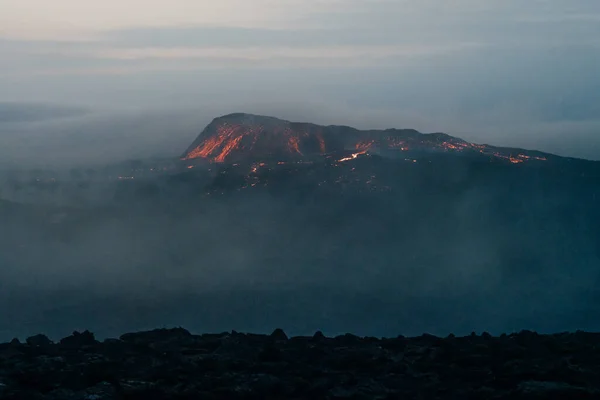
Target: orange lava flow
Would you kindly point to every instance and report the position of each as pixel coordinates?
(352, 156)
(294, 144)
(206, 148)
(213, 144)
(321, 143)
(220, 146)
(515, 160)
(222, 143)
(450, 146)
(394, 143)
(228, 148)
(364, 145)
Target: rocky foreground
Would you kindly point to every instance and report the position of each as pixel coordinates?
(174, 364)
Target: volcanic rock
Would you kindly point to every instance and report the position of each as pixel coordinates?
(38, 340)
(279, 334)
(318, 335)
(250, 366)
(78, 339)
(243, 137)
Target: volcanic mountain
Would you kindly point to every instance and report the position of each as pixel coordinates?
(246, 137)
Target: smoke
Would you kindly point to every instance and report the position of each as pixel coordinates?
(254, 262)
(109, 136)
(439, 255)
(98, 138)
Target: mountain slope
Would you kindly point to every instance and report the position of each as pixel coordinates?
(246, 137)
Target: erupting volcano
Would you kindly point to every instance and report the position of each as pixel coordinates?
(236, 137)
(246, 137)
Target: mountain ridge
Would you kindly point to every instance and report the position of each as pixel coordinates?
(241, 136)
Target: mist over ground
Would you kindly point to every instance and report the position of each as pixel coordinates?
(102, 228)
(64, 137)
(446, 252)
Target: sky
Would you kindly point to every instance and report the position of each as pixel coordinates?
(506, 72)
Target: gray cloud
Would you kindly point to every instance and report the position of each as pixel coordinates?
(246, 37)
(16, 112)
(506, 72)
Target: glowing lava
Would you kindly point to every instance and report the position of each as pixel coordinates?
(227, 139)
(322, 146)
(228, 148)
(237, 137)
(352, 156)
(294, 144)
(364, 145)
(240, 136)
(515, 160)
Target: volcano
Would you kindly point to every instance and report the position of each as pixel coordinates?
(241, 136)
(247, 137)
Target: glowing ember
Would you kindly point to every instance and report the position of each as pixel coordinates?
(364, 145)
(224, 143)
(245, 136)
(228, 148)
(352, 156)
(395, 142)
(322, 147)
(294, 144)
(450, 146)
(515, 160)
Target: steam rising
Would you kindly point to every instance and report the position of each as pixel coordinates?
(449, 261)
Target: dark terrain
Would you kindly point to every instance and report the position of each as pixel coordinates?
(260, 224)
(174, 364)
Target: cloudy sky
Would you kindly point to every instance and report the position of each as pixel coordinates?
(509, 72)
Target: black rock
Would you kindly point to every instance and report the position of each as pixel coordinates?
(279, 334)
(38, 341)
(78, 339)
(348, 339)
(318, 335)
(173, 364)
(156, 335)
(270, 353)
